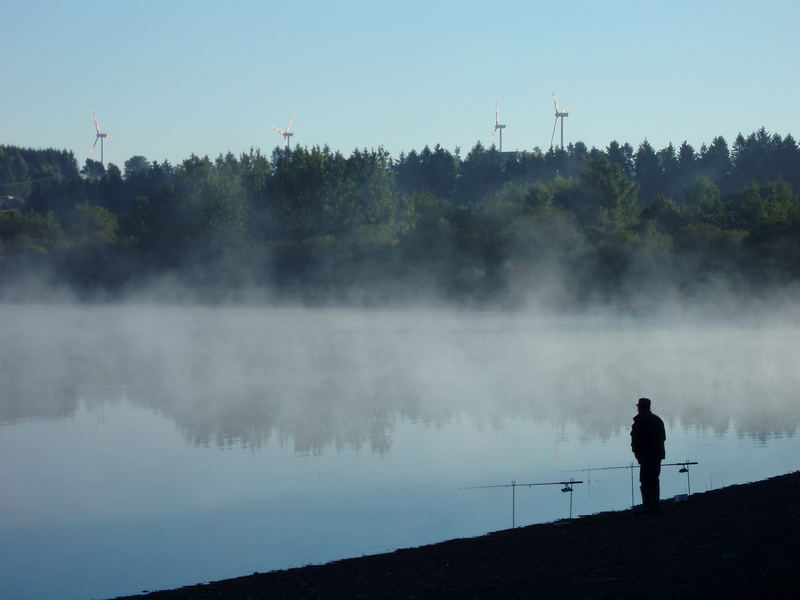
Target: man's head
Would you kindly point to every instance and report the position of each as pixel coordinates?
(643, 404)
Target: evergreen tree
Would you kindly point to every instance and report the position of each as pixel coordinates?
(648, 172)
(622, 156)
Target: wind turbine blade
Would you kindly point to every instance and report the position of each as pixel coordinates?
(278, 130)
(289, 126)
(96, 123)
(555, 102)
(496, 114)
(554, 132)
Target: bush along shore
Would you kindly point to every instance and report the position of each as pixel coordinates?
(741, 541)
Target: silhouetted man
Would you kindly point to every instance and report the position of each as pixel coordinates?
(647, 443)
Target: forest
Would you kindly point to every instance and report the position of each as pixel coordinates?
(619, 224)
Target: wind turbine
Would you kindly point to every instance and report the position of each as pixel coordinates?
(560, 114)
(286, 133)
(497, 126)
(100, 136)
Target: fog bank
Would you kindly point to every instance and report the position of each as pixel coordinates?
(337, 378)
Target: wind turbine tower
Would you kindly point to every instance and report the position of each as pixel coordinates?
(497, 127)
(561, 113)
(100, 136)
(286, 133)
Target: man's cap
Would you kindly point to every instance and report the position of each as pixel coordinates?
(643, 402)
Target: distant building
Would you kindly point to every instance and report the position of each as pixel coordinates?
(8, 203)
(512, 154)
(519, 154)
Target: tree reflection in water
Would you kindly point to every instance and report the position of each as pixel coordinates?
(320, 379)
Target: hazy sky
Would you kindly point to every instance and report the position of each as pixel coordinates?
(171, 78)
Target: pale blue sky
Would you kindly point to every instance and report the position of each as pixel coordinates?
(171, 78)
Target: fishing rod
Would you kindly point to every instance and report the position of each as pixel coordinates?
(684, 468)
(567, 489)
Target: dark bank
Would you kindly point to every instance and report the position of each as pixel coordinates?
(736, 542)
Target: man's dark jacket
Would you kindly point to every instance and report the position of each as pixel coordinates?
(647, 437)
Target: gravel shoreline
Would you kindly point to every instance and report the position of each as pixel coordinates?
(742, 541)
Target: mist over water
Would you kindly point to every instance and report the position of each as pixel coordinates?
(182, 443)
(319, 378)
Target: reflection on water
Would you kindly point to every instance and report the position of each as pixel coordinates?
(330, 378)
(318, 434)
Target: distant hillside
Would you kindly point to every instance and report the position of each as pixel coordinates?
(310, 224)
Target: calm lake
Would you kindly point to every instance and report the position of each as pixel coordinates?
(150, 447)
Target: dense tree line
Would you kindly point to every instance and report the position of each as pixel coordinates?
(579, 222)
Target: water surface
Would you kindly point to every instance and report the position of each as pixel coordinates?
(149, 447)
